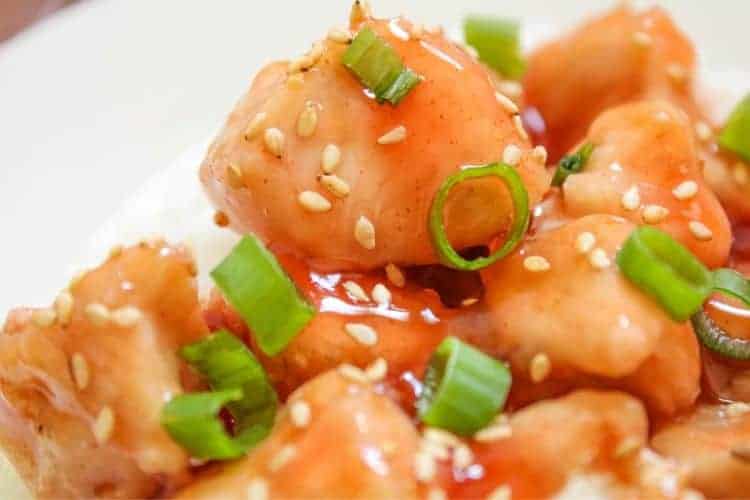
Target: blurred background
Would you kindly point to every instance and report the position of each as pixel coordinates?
(97, 95)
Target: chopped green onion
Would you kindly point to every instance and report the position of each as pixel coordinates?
(463, 388)
(714, 338)
(736, 134)
(447, 254)
(498, 43)
(666, 270)
(379, 67)
(730, 282)
(572, 164)
(258, 288)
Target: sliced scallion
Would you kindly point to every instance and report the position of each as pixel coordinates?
(735, 136)
(730, 282)
(520, 198)
(463, 388)
(497, 42)
(572, 164)
(715, 339)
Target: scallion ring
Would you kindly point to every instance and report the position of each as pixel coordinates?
(447, 254)
(735, 136)
(572, 164)
(714, 338)
(730, 282)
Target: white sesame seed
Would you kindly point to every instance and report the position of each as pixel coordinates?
(115, 251)
(126, 317)
(740, 174)
(395, 275)
(330, 158)
(470, 51)
(539, 367)
(436, 494)
(615, 167)
(501, 493)
(424, 466)
(364, 233)
(417, 31)
(512, 155)
(539, 153)
(377, 370)
(308, 120)
(627, 446)
(257, 489)
(273, 139)
(316, 52)
(536, 264)
(438, 451)
(397, 134)
(737, 409)
(685, 190)
(677, 72)
(313, 202)
(585, 242)
(283, 457)
(506, 103)
(703, 131)
(234, 177)
(442, 437)
(700, 231)
(631, 199)
(510, 88)
(295, 81)
(255, 125)
(44, 318)
(299, 411)
(335, 185)
(494, 432)
(381, 295)
(64, 307)
(80, 370)
(299, 64)
(469, 302)
(98, 314)
(364, 334)
(642, 39)
(518, 122)
(338, 34)
(104, 425)
(353, 373)
(598, 259)
(654, 214)
(462, 456)
(355, 291)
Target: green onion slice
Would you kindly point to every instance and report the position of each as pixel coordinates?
(258, 288)
(463, 388)
(736, 134)
(498, 43)
(379, 67)
(730, 282)
(714, 338)
(666, 270)
(447, 254)
(572, 164)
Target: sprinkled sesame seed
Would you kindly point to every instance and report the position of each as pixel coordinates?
(64, 307)
(654, 214)
(353, 373)
(685, 190)
(364, 233)
(80, 370)
(104, 425)
(536, 264)
(417, 31)
(355, 291)
(642, 39)
(494, 432)
(221, 219)
(424, 466)
(703, 131)
(539, 153)
(700, 231)
(437, 451)
(627, 447)
(360, 12)
(234, 177)
(395, 275)
(436, 494)
(462, 456)
(631, 199)
(338, 34)
(283, 457)
(126, 317)
(677, 72)
(364, 334)
(393, 136)
(585, 242)
(539, 367)
(299, 411)
(98, 314)
(469, 302)
(518, 122)
(255, 125)
(330, 158)
(441, 436)
(273, 139)
(470, 51)
(615, 167)
(44, 318)
(115, 251)
(300, 64)
(313, 202)
(377, 370)
(500, 493)
(381, 295)
(506, 103)
(598, 259)
(740, 174)
(257, 489)
(335, 185)
(308, 120)
(512, 155)
(510, 88)
(295, 81)
(737, 409)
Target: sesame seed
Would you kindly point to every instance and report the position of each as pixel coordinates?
(362, 333)
(628, 446)
(469, 302)
(642, 39)
(273, 139)
(417, 31)
(685, 190)
(434, 30)
(393, 136)
(364, 233)
(98, 314)
(377, 370)
(539, 153)
(257, 489)
(360, 12)
(539, 367)
(436, 494)
(494, 433)
(115, 251)
(299, 411)
(470, 51)
(255, 125)
(518, 122)
(353, 373)
(703, 131)
(335, 185)
(677, 72)
(737, 409)
(395, 275)
(338, 34)
(381, 295)
(615, 167)
(512, 155)
(330, 158)
(355, 291)
(536, 264)
(44, 318)
(742, 452)
(506, 103)
(740, 174)
(313, 202)
(654, 214)
(510, 88)
(437, 451)
(500, 493)
(598, 259)
(234, 177)
(221, 219)
(126, 317)
(300, 64)
(700, 230)
(308, 120)
(585, 242)
(631, 199)
(462, 456)
(80, 370)
(64, 307)
(283, 457)
(295, 81)
(424, 466)
(104, 425)
(442, 437)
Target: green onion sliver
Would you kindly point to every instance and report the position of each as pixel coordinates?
(447, 254)
(735, 136)
(497, 42)
(258, 288)
(379, 67)
(666, 270)
(717, 340)
(463, 388)
(572, 164)
(730, 282)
